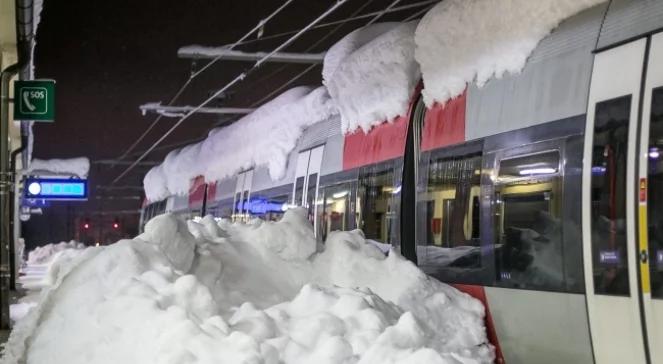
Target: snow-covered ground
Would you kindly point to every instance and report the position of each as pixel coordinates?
(40, 271)
(262, 292)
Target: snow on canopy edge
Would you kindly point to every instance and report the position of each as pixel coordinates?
(373, 83)
(243, 144)
(78, 166)
(453, 53)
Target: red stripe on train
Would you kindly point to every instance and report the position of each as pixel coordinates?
(383, 142)
(479, 293)
(211, 192)
(444, 124)
(197, 192)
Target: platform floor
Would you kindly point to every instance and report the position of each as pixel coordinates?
(13, 298)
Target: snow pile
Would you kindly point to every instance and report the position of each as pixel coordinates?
(77, 166)
(463, 41)
(264, 137)
(41, 271)
(371, 73)
(44, 254)
(43, 266)
(208, 292)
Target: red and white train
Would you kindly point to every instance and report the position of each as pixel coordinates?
(540, 193)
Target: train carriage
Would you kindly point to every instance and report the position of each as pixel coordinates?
(539, 193)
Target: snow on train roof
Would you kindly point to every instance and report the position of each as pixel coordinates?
(461, 41)
(369, 76)
(263, 137)
(371, 81)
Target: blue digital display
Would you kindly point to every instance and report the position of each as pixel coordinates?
(56, 189)
(259, 206)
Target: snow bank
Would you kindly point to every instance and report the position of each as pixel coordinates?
(40, 272)
(208, 292)
(44, 254)
(78, 166)
(264, 137)
(371, 73)
(463, 41)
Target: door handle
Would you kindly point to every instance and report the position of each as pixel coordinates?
(644, 256)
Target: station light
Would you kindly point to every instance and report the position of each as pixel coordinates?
(34, 188)
(116, 224)
(531, 171)
(86, 224)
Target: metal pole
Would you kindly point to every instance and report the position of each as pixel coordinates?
(23, 46)
(5, 187)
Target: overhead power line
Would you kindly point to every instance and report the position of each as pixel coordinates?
(376, 15)
(186, 84)
(236, 80)
(346, 20)
(308, 49)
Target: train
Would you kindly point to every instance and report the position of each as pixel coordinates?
(540, 193)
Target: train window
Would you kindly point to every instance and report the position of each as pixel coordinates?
(655, 194)
(297, 198)
(527, 223)
(376, 206)
(338, 212)
(449, 243)
(312, 200)
(222, 209)
(608, 198)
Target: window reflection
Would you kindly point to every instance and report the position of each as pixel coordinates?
(655, 194)
(451, 207)
(337, 214)
(527, 222)
(608, 198)
(376, 193)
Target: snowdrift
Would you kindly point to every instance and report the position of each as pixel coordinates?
(40, 272)
(216, 292)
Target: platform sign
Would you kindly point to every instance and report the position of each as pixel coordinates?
(56, 189)
(34, 100)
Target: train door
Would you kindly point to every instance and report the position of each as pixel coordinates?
(624, 315)
(305, 189)
(650, 204)
(242, 196)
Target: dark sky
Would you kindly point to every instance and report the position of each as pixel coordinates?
(109, 57)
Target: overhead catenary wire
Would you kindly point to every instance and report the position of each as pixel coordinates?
(377, 15)
(309, 68)
(236, 80)
(346, 20)
(418, 13)
(195, 74)
(244, 41)
(154, 123)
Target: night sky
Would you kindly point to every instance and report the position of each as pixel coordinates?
(109, 57)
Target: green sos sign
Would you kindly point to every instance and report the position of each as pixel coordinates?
(34, 100)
